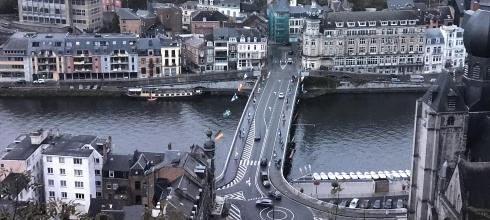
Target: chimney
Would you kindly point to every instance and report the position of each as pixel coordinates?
(475, 5)
(37, 137)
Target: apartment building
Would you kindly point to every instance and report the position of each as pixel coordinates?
(388, 42)
(85, 15)
(454, 52)
(46, 55)
(433, 56)
(171, 57)
(129, 22)
(150, 58)
(188, 8)
(24, 156)
(193, 53)
(203, 22)
(73, 168)
(230, 8)
(14, 59)
(238, 49)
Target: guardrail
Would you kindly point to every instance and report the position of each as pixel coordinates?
(228, 158)
(331, 209)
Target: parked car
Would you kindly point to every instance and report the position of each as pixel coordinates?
(344, 203)
(275, 194)
(377, 204)
(264, 203)
(281, 95)
(290, 60)
(354, 203)
(316, 176)
(365, 204)
(40, 81)
(266, 184)
(264, 176)
(400, 204)
(323, 176)
(388, 204)
(263, 162)
(257, 138)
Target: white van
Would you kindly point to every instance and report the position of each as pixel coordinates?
(354, 203)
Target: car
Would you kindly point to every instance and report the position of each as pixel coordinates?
(316, 176)
(395, 80)
(377, 204)
(345, 175)
(257, 138)
(264, 203)
(282, 62)
(281, 95)
(367, 175)
(395, 174)
(264, 176)
(374, 175)
(400, 204)
(344, 203)
(402, 174)
(353, 176)
(360, 175)
(388, 204)
(354, 203)
(263, 162)
(365, 204)
(338, 176)
(275, 194)
(323, 176)
(290, 52)
(433, 80)
(266, 184)
(381, 175)
(290, 60)
(331, 176)
(41, 81)
(388, 174)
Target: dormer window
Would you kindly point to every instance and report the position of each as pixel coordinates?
(393, 23)
(412, 22)
(384, 23)
(351, 24)
(403, 22)
(362, 23)
(372, 23)
(339, 24)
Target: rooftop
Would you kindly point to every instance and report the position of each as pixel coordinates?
(127, 14)
(438, 95)
(74, 146)
(377, 16)
(400, 4)
(209, 16)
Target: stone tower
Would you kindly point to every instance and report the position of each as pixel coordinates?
(448, 133)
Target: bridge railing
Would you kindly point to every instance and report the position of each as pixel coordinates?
(326, 207)
(219, 178)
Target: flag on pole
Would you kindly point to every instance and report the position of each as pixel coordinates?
(235, 97)
(218, 135)
(227, 113)
(245, 76)
(240, 87)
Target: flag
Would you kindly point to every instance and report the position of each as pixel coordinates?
(240, 87)
(235, 97)
(245, 76)
(218, 135)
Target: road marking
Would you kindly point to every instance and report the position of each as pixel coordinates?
(280, 213)
(235, 212)
(248, 182)
(236, 196)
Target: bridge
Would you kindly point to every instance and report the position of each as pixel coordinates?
(263, 134)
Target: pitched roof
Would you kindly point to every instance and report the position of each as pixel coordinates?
(118, 162)
(69, 145)
(400, 4)
(127, 14)
(209, 16)
(355, 16)
(437, 96)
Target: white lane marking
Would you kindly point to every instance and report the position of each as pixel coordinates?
(248, 182)
(235, 212)
(236, 196)
(282, 212)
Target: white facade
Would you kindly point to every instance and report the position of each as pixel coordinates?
(71, 178)
(251, 52)
(433, 51)
(171, 63)
(230, 8)
(454, 51)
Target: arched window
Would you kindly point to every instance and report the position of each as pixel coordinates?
(450, 121)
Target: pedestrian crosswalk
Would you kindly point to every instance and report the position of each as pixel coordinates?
(257, 198)
(245, 158)
(234, 213)
(236, 196)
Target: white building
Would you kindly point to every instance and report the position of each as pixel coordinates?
(73, 168)
(433, 55)
(230, 8)
(454, 52)
(171, 58)
(388, 42)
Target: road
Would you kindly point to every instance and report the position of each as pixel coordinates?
(244, 187)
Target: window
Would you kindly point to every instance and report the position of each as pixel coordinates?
(49, 159)
(115, 186)
(50, 170)
(62, 171)
(61, 159)
(64, 195)
(450, 120)
(79, 196)
(77, 161)
(51, 194)
(137, 185)
(109, 186)
(50, 182)
(97, 172)
(78, 184)
(96, 160)
(98, 183)
(98, 194)
(63, 183)
(78, 172)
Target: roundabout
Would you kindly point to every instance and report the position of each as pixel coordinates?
(276, 213)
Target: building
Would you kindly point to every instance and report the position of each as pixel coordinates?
(193, 53)
(188, 8)
(451, 161)
(111, 5)
(433, 57)
(15, 61)
(129, 22)
(46, 55)
(230, 8)
(238, 49)
(278, 19)
(170, 17)
(150, 58)
(454, 52)
(24, 156)
(298, 16)
(171, 57)
(256, 21)
(73, 168)
(85, 15)
(386, 42)
(400, 4)
(203, 22)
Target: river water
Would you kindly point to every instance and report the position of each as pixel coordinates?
(335, 132)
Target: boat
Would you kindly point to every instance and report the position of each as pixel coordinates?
(152, 94)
